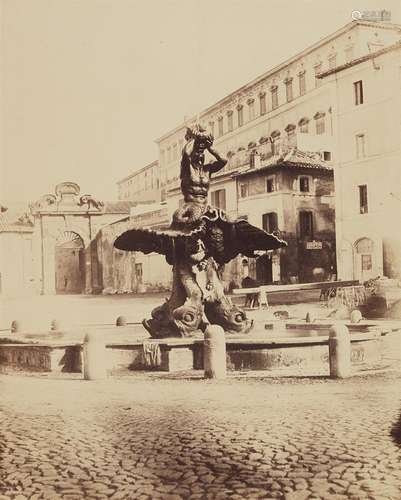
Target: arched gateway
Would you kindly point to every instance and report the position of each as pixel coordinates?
(71, 242)
(70, 264)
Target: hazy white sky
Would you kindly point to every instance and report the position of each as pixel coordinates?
(87, 85)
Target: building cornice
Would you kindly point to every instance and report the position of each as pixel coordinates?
(128, 177)
(360, 60)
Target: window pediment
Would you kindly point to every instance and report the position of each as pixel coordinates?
(303, 121)
(290, 127)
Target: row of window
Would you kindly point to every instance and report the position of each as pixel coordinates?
(270, 219)
(320, 128)
(223, 128)
(218, 197)
(270, 223)
(274, 94)
(306, 219)
(172, 152)
(290, 138)
(303, 184)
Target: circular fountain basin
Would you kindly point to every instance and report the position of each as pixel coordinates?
(271, 346)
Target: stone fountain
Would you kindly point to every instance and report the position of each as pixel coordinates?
(198, 242)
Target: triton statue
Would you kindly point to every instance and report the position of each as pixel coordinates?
(199, 241)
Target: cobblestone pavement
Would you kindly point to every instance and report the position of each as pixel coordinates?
(170, 437)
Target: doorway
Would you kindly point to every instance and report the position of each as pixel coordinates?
(70, 265)
(365, 268)
(264, 270)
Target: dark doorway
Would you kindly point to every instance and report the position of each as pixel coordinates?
(264, 271)
(138, 273)
(70, 265)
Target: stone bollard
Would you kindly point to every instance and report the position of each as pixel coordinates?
(16, 326)
(121, 321)
(262, 297)
(339, 351)
(94, 357)
(310, 317)
(214, 352)
(55, 325)
(356, 316)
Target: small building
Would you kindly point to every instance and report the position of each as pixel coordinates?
(142, 185)
(292, 195)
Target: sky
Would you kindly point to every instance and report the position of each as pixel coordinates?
(88, 85)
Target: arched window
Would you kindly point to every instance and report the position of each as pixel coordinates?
(251, 109)
(320, 123)
(262, 103)
(291, 138)
(275, 138)
(364, 245)
(364, 262)
(302, 82)
(288, 89)
(220, 126)
(240, 115)
(303, 125)
(230, 121)
(318, 69)
(274, 94)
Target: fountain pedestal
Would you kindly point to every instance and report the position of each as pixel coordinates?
(199, 241)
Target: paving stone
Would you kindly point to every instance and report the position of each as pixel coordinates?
(202, 444)
(297, 495)
(277, 473)
(300, 474)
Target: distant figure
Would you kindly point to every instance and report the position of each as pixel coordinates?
(251, 299)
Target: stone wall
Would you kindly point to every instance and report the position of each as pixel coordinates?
(17, 276)
(43, 358)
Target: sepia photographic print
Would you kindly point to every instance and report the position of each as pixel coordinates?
(200, 250)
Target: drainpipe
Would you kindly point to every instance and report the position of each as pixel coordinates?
(42, 260)
(339, 207)
(90, 252)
